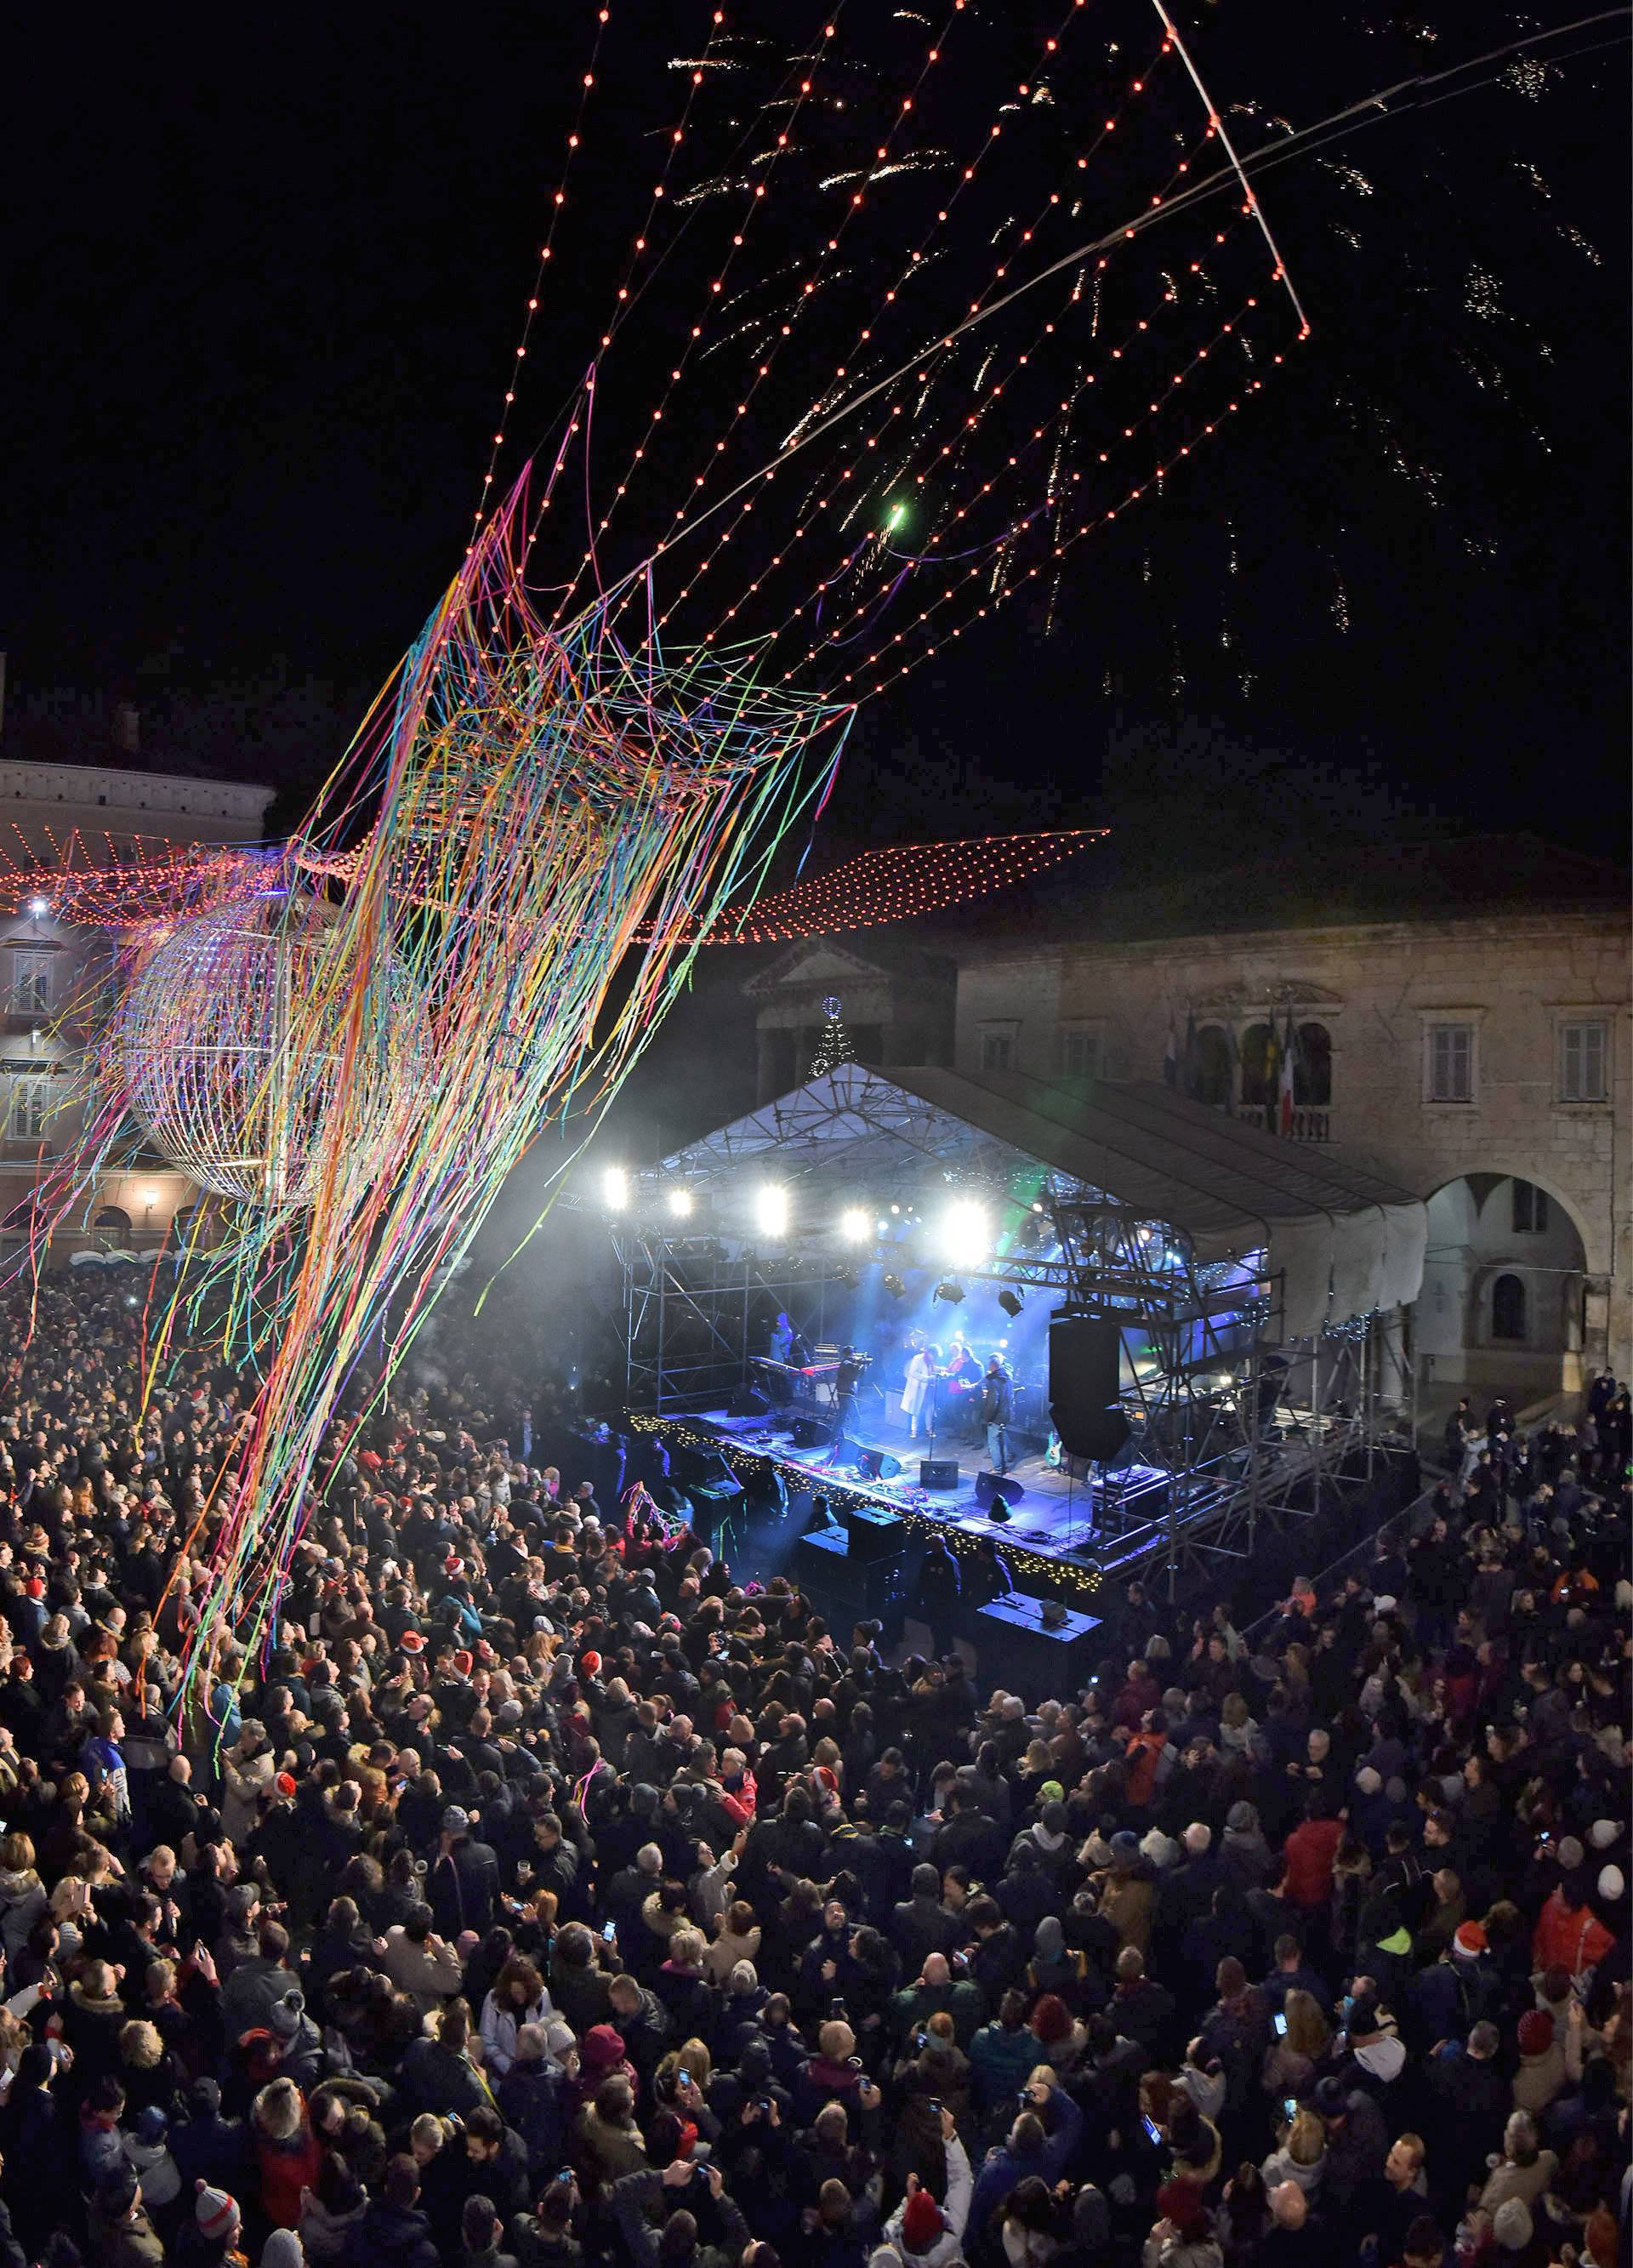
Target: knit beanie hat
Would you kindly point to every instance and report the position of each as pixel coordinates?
(1603, 1833)
(1570, 1854)
(215, 2213)
(1536, 2032)
(920, 2222)
(1510, 2225)
(1611, 1883)
(282, 2250)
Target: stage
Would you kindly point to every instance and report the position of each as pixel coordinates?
(1065, 1536)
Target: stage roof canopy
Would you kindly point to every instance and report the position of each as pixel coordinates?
(1345, 1241)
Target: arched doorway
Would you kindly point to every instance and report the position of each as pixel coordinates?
(1501, 1307)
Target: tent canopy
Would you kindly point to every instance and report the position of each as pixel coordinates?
(1343, 1241)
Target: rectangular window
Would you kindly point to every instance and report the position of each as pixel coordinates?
(28, 1110)
(1582, 1068)
(1079, 1051)
(1451, 1070)
(997, 1051)
(1530, 1209)
(30, 984)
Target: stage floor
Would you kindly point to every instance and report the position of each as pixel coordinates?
(1056, 1515)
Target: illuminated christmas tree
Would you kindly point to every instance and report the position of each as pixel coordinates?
(833, 1048)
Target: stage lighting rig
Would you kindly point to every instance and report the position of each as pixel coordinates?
(853, 1225)
(1012, 1302)
(681, 1203)
(616, 1188)
(896, 1288)
(771, 1211)
(949, 1290)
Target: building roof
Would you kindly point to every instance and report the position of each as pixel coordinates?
(1344, 1240)
(1349, 886)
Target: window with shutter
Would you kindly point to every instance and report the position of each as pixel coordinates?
(1451, 1062)
(1582, 1067)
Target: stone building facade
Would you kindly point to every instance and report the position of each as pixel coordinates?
(1479, 1056)
(103, 811)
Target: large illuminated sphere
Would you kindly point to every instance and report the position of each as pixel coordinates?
(232, 1041)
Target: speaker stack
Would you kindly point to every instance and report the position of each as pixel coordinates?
(1085, 1355)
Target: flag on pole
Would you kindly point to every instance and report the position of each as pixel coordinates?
(1290, 1045)
(1171, 1054)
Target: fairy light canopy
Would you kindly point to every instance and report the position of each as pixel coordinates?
(883, 339)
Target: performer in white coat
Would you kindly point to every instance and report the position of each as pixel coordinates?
(919, 1382)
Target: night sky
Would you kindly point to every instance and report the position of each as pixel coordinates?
(265, 275)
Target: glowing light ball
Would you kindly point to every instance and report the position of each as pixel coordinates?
(232, 1040)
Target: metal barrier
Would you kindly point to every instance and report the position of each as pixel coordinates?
(1409, 1522)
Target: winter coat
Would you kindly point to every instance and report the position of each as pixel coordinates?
(1539, 2079)
(386, 2237)
(243, 1782)
(22, 1902)
(1525, 2182)
(286, 2167)
(325, 2235)
(155, 2169)
(428, 1978)
(501, 2023)
(1126, 1901)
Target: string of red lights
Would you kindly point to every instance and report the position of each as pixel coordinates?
(870, 441)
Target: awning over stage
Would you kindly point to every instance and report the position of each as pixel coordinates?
(1345, 1241)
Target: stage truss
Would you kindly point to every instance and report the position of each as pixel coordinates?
(1244, 1427)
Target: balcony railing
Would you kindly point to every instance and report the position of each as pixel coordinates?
(1309, 1124)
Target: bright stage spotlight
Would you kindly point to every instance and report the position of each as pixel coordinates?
(853, 1225)
(966, 1235)
(681, 1203)
(1012, 1302)
(771, 1211)
(896, 1288)
(38, 908)
(949, 1290)
(615, 1188)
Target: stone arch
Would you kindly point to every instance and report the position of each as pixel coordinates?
(1501, 1309)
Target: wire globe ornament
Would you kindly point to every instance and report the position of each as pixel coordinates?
(233, 1041)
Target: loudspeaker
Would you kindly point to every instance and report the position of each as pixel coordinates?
(811, 1433)
(875, 1531)
(1085, 1358)
(990, 1484)
(877, 1464)
(937, 1472)
(748, 1402)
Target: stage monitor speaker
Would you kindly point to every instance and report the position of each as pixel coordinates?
(877, 1464)
(1084, 1360)
(748, 1402)
(875, 1530)
(988, 1485)
(811, 1433)
(937, 1472)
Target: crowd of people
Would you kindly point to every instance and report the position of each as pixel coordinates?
(540, 1895)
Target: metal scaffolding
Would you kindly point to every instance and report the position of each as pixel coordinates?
(1234, 1426)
